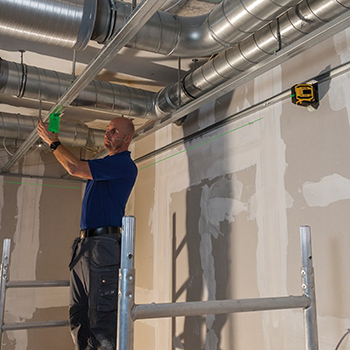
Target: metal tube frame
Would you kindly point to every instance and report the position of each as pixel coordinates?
(5, 262)
(199, 308)
(32, 325)
(37, 284)
(126, 300)
(4, 270)
(308, 287)
(128, 311)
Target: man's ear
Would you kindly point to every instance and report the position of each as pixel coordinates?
(128, 138)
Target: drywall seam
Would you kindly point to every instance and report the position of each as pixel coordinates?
(271, 205)
(339, 91)
(24, 254)
(162, 243)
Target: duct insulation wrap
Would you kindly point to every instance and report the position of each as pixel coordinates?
(36, 83)
(289, 27)
(63, 23)
(19, 127)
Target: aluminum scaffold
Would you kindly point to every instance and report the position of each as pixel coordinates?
(5, 284)
(129, 312)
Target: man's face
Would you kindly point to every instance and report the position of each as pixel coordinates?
(115, 137)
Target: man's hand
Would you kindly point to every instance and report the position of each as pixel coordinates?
(68, 160)
(45, 134)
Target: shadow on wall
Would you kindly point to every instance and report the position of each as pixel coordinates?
(208, 245)
(207, 240)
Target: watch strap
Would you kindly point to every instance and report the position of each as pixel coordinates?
(54, 145)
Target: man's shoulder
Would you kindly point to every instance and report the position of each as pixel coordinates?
(124, 154)
(121, 158)
(119, 163)
(113, 158)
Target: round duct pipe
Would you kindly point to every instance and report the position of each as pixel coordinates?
(7, 143)
(229, 23)
(55, 22)
(291, 26)
(72, 24)
(19, 127)
(47, 85)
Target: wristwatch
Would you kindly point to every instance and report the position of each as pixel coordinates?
(54, 145)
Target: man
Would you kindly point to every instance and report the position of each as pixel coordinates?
(96, 253)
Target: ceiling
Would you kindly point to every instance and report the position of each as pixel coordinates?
(241, 39)
(130, 67)
(134, 68)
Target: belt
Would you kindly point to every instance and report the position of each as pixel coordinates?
(105, 230)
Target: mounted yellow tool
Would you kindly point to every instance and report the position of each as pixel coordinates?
(305, 95)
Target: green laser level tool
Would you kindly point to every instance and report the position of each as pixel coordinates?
(54, 122)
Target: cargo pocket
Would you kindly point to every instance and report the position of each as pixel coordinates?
(108, 292)
(105, 251)
(73, 251)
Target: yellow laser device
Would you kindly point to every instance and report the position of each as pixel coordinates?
(305, 95)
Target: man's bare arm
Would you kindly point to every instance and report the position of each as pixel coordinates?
(67, 159)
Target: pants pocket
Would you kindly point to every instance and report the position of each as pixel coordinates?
(73, 251)
(108, 292)
(105, 251)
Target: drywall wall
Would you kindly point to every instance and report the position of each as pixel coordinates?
(41, 217)
(218, 217)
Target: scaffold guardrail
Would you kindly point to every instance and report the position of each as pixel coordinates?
(5, 284)
(129, 312)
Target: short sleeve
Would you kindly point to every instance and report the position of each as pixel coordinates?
(114, 167)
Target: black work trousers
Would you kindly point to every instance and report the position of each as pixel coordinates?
(94, 292)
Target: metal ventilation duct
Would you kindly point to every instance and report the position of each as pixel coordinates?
(30, 82)
(72, 24)
(229, 23)
(291, 26)
(55, 22)
(19, 127)
(41, 84)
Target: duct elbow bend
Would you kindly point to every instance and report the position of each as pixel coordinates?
(196, 38)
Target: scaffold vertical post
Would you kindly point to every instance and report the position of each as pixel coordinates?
(308, 287)
(126, 300)
(4, 270)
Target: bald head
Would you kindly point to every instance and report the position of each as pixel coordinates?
(118, 135)
(125, 125)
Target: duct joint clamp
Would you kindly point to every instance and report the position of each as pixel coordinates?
(23, 84)
(279, 38)
(112, 20)
(184, 86)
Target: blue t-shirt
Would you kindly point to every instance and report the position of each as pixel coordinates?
(105, 197)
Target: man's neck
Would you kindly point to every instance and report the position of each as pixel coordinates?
(120, 150)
